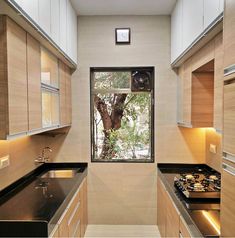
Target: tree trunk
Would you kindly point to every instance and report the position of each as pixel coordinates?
(111, 122)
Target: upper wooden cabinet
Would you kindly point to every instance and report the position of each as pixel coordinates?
(30, 88)
(189, 21)
(13, 64)
(65, 94)
(57, 19)
(200, 87)
(229, 35)
(34, 83)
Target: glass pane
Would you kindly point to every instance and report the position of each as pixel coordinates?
(112, 80)
(122, 126)
(50, 108)
(49, 68)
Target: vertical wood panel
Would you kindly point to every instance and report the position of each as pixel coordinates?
(218, 83)
(68, 97)
(3, 79)
(187, 89)
(34, 83)
(17, 78)
(229, 33)
(62, 78)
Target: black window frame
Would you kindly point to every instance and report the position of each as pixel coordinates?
(116, 69)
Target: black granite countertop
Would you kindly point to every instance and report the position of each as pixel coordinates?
(33, 205)
(196, 212)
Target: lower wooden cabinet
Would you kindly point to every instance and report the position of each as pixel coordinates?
(169, 221)
(73, 222)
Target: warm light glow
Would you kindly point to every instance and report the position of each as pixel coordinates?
(212, 221)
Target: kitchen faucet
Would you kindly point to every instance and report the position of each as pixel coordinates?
(43, 158)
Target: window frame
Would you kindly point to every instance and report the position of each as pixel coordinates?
(152, 93)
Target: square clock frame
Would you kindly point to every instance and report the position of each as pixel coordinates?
(123, 35)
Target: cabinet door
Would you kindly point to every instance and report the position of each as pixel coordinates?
(45, 15)
(218, 83)
(55, 21)
(68, 97)
(187, 90)
(63, 108)
(211, 11)
(63, 25)
(71, 32)
(30, 7)
(84, 208)
(184, 230)
(34, 83)
(229, 33)
(176, 30)
(161, 208)
(180, 89)
(17, 78)
(229, 118)
(172, 219)
(192, 21)
(228, 201)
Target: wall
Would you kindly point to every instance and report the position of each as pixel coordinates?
(22, 153)
(214, 160)
(126, 193)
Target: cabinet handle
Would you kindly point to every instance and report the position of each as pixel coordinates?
(229, 169)
(229, 70)
(229, 156)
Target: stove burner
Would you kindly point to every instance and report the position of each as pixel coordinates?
(199, 185)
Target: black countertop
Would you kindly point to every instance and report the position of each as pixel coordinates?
(32, 205)
(199, 214)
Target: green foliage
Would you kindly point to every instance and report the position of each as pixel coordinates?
(112, 80)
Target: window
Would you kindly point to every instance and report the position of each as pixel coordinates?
(122, 114)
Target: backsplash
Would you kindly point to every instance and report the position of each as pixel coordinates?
(213, 160)
(22, 154)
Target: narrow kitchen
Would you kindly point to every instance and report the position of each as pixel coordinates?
(117, 118)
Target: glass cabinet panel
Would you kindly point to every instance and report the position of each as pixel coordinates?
(50, 108)
(49, 68)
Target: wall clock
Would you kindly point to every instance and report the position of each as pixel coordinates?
(123, 35)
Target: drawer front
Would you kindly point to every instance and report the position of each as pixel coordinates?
(74, 222)
(228, 201)
(229, 118)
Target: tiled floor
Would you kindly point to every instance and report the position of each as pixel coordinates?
(113, 231)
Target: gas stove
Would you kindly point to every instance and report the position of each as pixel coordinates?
(200, 184)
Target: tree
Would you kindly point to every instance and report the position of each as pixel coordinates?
(119, 113)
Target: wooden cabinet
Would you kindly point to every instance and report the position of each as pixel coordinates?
(168, 217)
(65, 94)
(184, 231)
(229, 118)
(172, 219)
(218, 83)
(13, 78)
(227, 200)
(229, 34)
(74, 220)
(200, 87)
(34, 83)
(161, 207)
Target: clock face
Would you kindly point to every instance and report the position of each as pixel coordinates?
(123, 35)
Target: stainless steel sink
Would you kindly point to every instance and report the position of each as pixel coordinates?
(59, 173)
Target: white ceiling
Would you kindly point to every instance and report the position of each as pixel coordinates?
(123, 7)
